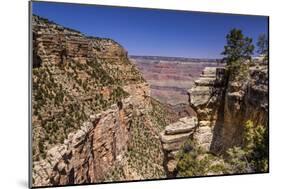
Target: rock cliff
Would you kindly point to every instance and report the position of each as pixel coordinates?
(224, 103)
(87, 153)
(91, 111)
(244, 100)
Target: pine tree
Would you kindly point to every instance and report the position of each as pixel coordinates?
(238, 47)
(263, 47)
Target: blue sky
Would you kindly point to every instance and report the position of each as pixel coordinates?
(154, 32)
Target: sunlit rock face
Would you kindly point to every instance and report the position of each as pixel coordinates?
(245, 100)
(86, 95)
(223, 105)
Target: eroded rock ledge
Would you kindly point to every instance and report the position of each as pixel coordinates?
(206, 98)
(173, 138)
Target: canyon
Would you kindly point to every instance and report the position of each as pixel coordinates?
(170, 77)
(100, 115)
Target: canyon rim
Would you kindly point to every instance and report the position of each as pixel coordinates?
(101, 114)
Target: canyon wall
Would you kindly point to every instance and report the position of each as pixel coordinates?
(223, 105)
(86, 98)
(223, 102)
(245, 100)
(87, 153)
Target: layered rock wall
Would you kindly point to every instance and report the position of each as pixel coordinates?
(223, 105)
(88, 153)
(245, 100)
(206, 97)
(85, 91)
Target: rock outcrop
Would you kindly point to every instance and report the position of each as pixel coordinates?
(244, 100)
(223, 105)
(206, 99)
(173, 138)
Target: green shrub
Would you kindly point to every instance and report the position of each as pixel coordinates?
(193, 161)
(253, 155)
(256, 146)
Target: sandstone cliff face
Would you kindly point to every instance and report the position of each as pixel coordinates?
(223, 105)
(87, 97)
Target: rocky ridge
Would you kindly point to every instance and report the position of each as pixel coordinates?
(204, 99)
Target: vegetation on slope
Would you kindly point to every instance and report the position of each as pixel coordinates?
(144, 157)
(62, 102)
(71, 82)
(251, 157)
